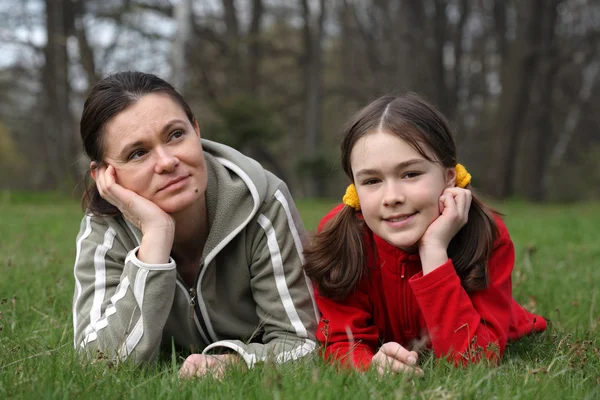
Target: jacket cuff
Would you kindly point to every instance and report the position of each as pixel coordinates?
(442, 276)
(225, 346)
(132, 257)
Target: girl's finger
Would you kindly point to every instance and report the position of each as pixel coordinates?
(396, 366)
(460, 200)
(449, 206)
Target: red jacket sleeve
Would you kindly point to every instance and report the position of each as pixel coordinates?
(467, 328)
(346, 330)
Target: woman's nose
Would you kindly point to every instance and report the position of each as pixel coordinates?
(165, 162)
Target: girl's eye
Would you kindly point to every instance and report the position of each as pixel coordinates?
(177, 134)
(409, 175)
(137, 154)
(371, 181)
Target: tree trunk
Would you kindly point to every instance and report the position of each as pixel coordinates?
(516, 80)
(254, 47)
(57, 124)
(183, 17)
(232, 34)
(541, 136)
(313, 38)
(86, 54)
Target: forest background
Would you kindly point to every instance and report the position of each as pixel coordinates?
(277, 79)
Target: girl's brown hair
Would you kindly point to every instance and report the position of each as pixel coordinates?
(336, 259)
(106, 99)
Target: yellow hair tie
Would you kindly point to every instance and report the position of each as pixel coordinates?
(351, 197)
(463, 178)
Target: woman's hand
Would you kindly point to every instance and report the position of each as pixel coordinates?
(158, 227)
(394, 358)
(141, 212)
(200, 365)
(454, 214)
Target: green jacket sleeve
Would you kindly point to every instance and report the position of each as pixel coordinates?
(121, 304)
(282, 292)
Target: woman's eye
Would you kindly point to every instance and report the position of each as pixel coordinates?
(177, 134)
(137, 154)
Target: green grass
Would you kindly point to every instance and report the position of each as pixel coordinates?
(557, 274)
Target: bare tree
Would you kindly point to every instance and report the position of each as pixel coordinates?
(183, 17)
(313, 42)
(56, 122)
(516, 80)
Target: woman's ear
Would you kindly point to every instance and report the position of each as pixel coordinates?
(196, 127)
(93, 170)
(451, 177)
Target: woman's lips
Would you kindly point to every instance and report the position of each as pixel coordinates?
(174, 184)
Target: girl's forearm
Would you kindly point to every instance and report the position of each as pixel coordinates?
(432, 258)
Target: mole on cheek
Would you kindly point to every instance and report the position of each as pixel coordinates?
(196, 190)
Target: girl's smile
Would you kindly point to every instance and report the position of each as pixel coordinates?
(399, 189)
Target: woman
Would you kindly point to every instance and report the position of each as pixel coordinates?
(183, 240)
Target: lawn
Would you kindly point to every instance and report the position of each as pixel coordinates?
(557, 274)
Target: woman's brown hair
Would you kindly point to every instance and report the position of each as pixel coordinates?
(106, 99)
(336, 261)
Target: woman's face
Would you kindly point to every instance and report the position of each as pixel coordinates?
(398, 189)
(157, 153)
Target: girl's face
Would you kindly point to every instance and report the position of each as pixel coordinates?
(157, 153)
(398, 188)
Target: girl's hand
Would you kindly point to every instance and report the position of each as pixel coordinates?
(454, 213)
(200, 365)
(394, 358)
(141, 212)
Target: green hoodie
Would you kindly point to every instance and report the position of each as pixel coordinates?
(251, 295)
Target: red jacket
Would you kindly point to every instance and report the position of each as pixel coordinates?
(394, 302)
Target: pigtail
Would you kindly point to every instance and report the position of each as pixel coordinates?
(471, 248)
(335, 259)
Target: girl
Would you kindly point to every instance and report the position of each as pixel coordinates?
(412, 257)
(184, 240)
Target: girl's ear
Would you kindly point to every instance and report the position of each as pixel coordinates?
(450, 177)
(93, 170)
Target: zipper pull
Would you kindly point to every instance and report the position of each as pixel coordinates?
(403, 270)
(192, 302)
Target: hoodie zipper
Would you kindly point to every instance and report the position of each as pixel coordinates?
(405, 308)
(192, 303)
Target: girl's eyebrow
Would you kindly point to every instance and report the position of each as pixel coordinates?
(402, 165)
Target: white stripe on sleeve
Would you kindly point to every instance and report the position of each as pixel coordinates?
(299, 248)
(136, 334)
(86, 233)
(90, 334)
(100, 283)
(279, 273)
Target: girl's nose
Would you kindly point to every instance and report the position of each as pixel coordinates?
(393, 194)
(165, 162)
